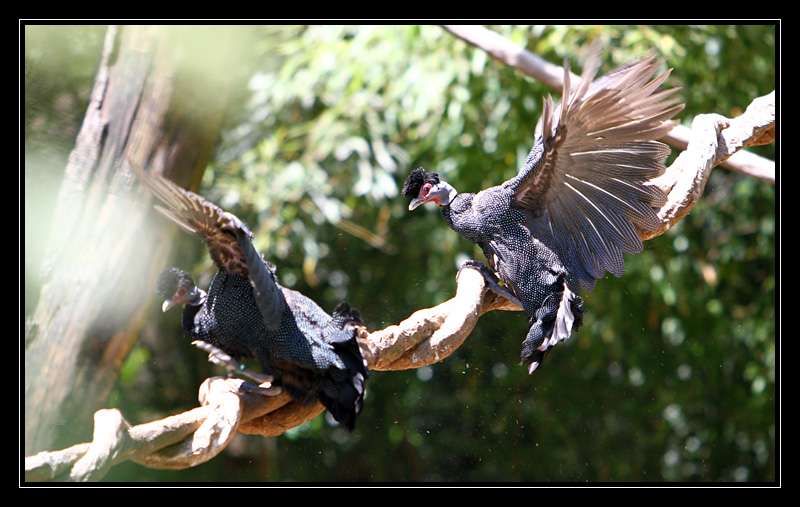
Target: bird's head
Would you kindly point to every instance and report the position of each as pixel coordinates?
(422, 187)
(343, 316)
(177, 288)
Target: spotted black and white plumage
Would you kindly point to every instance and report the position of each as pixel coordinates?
(248, 314)
(577, 204)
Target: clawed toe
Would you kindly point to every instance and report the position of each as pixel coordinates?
(503, 292)
(256, 377)
(472, 263)
(483, 268)
(265, 389)
(492, 282)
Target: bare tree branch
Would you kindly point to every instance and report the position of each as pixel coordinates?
(180, 441)
(505, 51)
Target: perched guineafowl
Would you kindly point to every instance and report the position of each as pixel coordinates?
(248, 314)
(577, 203)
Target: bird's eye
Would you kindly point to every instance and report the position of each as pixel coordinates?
(423, 192)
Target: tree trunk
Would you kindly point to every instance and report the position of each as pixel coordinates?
(149, 106)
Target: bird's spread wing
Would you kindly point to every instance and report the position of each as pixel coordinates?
(197, 215)
(228, 238)
(587, 191)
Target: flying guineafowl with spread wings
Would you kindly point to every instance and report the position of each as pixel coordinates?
(248, 314)
(576, 205)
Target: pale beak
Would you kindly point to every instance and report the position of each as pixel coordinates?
(416, 203)
(442, 195)
(167, 304)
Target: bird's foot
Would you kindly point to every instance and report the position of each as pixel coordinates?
(503, 292)
(219, 357)
(483, 269)
(266, 389)
(472, 263)
(492, 282)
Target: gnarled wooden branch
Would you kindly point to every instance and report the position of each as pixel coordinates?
(180, 441)
(427, 336)
(505, 51)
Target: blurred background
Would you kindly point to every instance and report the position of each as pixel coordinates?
(672, 376)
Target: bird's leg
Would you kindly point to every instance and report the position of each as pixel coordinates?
(219, 357)
(492, 282)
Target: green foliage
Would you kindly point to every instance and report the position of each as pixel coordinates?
(672, 376)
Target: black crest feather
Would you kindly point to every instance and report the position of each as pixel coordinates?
(416, 179)
(170, 279)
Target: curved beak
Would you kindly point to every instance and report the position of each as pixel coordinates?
(416, 203)
(167, 304)
(442, 195)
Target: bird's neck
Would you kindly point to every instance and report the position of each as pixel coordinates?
(451, 192)
(450, 210)
(462, 218)
(189, 313)
(197, 297)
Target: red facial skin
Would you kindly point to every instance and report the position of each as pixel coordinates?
(424, 190)
(180, 296)
(423, 194)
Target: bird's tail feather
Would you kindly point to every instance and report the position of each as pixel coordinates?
(342, 391)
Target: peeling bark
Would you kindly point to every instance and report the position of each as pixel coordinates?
(89, 310)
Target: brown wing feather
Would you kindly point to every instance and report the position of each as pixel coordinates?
(196, 214)
(590, 188)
